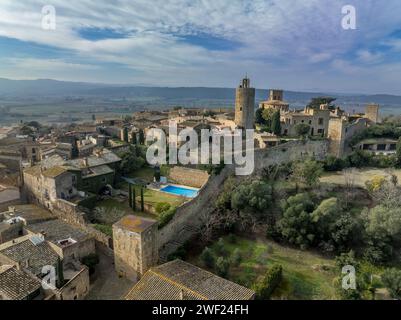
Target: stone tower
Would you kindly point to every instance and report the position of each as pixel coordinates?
(372, 112)
(245, 105)
(135, 246)
(275, 95)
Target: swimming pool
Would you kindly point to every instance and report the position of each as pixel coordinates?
(181, 191)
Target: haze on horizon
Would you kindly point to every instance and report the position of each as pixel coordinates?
(298, 46)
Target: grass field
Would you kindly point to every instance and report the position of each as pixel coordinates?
(360, 176)
(305, 275)
(154, 197)
(114, 210)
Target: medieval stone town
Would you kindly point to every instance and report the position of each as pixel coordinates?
(84, 216)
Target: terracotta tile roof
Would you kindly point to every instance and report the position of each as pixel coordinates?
(32, 257)
(31, 213)
(179, 280)
(16, 284)
(55, 171)
(56, 230)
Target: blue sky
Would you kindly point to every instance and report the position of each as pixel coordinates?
(294, 45)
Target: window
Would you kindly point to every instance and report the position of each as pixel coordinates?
(310, 121)
(321, 121)
(381, 147)
(393, 146)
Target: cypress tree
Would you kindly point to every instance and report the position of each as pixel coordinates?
(276, 125)
(130, 194)
(60, 273)
(142, 201)
(133, 199)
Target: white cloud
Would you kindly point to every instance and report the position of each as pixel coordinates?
(276, 37)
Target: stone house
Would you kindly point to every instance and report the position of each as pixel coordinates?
(28, 255)
(46, 186)
(378, 146)
(316, 119)
(275, 101)
(56, 179)
(135, 246)
(68, 241)
(17, 284)
(179, 280)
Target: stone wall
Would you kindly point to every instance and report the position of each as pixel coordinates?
(340, 133)
(187, 221)
(188, 177)
(187, 215)
(291, 151)
(69, 212)
(75, 289)
(135, 251)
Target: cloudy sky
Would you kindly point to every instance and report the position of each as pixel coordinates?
(290, 44)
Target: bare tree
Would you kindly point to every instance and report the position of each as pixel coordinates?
(349, 179)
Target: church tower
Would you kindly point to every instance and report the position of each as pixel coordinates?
(245, 105)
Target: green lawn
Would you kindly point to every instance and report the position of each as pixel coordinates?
(154, 197)
(114, 210)
(305, 275)
(359, 176)
(145, 173)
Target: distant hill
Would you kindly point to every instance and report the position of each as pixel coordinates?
(23, 89)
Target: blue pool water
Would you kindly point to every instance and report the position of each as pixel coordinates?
(181, 191)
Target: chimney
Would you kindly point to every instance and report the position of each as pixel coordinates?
(181, 294)
(86, 162)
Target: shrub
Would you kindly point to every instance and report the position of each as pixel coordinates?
(391, 278)
(180, 253)
(222, 267)
(90, 261)
(207, 257)
(269, 283)
(162, 207)
(375, 183)
(232, 238)
(106, 229)
(333, 163)
(166, 216)
(236, 257)
(220, 247)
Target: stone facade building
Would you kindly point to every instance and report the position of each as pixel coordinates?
(372, 112)
(135, 246)
(316, 119)
(179, 280)
(378, 146)
(245, 105)
(275, 101)
(68, 241)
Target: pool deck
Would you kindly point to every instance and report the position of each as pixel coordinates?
(178, 186)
